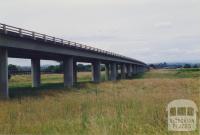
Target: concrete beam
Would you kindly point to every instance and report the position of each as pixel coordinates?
(113, 71)
(68, 72)
(96, 72)
(16, 46)
(4, 92)
(35, 72)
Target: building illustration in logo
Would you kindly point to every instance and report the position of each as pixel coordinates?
(182, 115)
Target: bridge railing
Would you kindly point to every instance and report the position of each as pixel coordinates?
(6, 29)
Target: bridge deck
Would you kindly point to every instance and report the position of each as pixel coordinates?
(31, 44)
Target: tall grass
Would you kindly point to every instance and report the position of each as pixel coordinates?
(135, 107)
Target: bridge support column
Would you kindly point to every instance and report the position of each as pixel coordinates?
(4, 92)
(129, 70)
(113, 72)
(134, 70)
(96, 72)
(139, 69)
(35, 72)
(142, 70)
(68, 72)
(107, 70)
(117, 71)
(123, 70)
(75, 72)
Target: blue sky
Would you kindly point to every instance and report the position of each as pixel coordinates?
(148, 30)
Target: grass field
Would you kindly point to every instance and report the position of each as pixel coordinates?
(127, 107)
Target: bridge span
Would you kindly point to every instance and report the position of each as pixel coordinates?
(20, 43)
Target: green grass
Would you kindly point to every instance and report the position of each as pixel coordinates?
(127, 107)
(171, 74)
(190, 70)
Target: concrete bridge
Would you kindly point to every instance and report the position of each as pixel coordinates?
(19, 43)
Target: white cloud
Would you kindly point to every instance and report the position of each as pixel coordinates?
(140, 29)
(165, 24)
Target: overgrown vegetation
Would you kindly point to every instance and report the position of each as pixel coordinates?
(135, 107)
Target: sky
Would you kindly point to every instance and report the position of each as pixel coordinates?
(148, 30)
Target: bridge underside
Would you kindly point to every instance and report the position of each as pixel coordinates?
(70, 63)
(15, 47)
(31, 54)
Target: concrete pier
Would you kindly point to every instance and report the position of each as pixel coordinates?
(123, 70)
(4, 93)
(129, 70)
(96, 71)
(139, 69)
(35, 72)
(117, 71)
(113, 72)
(75, 71)
(134, 70)
(107, 70)
(68, 72)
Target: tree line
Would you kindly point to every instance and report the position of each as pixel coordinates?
(173, 66)
(52, 68)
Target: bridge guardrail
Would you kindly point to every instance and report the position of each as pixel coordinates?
(46, 38)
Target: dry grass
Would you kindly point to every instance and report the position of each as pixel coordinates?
(135, 107)
(25, 80)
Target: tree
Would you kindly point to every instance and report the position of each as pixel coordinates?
(103, 68)
(12, 67)
(195, 66)
(83, 68)
(152, 66)
(187, 66)
(54, 69)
